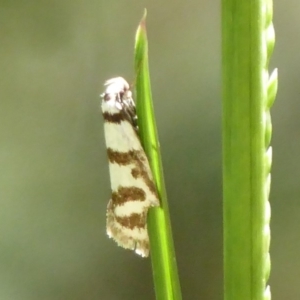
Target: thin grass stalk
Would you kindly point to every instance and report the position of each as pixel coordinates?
(165, 274)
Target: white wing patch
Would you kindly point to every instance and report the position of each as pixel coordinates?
(133, 189)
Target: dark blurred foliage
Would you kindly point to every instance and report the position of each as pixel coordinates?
(54, 188)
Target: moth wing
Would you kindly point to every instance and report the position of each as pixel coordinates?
(133, 189)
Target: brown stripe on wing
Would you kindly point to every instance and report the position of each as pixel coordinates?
(116, 118)
(133, 221)
(142, 173)
(124, 158)
(123, 115)
(125, 240)
(136, 158)
(125, 194)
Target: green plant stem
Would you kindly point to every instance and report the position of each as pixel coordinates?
(165, 274)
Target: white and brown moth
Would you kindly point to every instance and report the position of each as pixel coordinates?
(133, 189)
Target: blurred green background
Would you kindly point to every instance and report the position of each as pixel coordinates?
(54, 184)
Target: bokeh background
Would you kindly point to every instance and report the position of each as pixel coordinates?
(54, 184)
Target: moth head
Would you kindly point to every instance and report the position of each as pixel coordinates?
(117, 89)
(117, 98)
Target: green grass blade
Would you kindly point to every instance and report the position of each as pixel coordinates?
(164, 266)
(248, 93)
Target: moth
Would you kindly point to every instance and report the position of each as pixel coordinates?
(132, 185)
